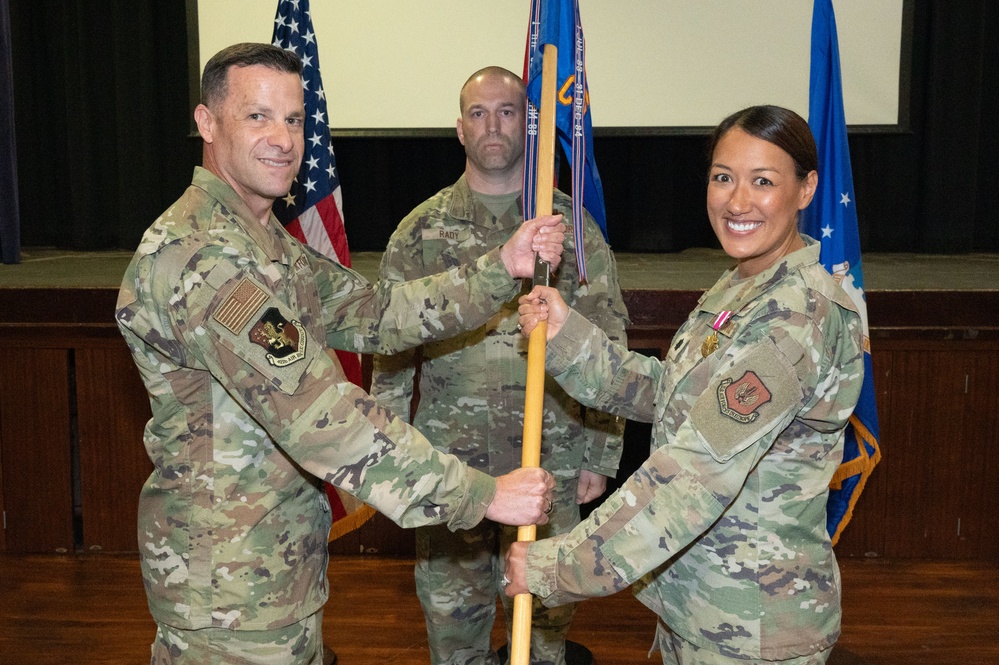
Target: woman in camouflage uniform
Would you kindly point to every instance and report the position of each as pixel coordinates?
(722, 530)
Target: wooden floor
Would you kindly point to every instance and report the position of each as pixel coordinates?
(91, 609)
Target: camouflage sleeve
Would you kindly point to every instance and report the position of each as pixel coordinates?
(389, 317)
(605, 442)
(392, 376)
(600, 301)
(683, 487)
(392, 381)
(600, 373)
(332, 429)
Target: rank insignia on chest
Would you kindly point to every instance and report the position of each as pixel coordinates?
(283, 340)
(740, 399)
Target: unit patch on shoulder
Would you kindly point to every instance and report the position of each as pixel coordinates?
(240, 306)
(740, 399)
(283, 340)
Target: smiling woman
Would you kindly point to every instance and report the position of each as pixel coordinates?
(756, 188)
(722, 530)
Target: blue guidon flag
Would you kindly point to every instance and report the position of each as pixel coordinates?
(832, 218)
(557, 22)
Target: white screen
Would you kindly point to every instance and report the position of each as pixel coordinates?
(398, 64)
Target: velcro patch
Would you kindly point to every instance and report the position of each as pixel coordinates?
(743, 403)
(740, 399)
(283, 340)
(240, 306)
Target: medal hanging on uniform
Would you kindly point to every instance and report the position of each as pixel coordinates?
(710, 343)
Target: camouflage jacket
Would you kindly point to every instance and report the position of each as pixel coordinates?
(722, 530)
(228, 321)
(471, 386)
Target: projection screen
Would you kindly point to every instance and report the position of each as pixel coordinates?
(655, 66)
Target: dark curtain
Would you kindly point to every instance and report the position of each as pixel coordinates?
(103, 120)
(10, 223)
(930, 191)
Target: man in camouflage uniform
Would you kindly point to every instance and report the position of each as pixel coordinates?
(472, 386)
(229, 321)
(723, 529)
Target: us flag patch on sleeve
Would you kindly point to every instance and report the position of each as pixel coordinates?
(240, 306)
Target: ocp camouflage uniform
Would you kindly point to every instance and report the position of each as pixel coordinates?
(471, 391)
(722, 530)
(228, 321)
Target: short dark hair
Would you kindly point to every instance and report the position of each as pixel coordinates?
(215, 79)
(774, 124)
(492, 70)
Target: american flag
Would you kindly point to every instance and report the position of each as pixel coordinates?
(313, 210)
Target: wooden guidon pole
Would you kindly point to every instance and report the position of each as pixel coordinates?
(520, 641)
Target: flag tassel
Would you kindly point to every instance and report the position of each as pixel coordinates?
(862, 466)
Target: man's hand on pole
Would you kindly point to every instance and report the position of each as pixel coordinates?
(544, 235)
(523, 496)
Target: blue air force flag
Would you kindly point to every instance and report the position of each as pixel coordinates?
(832, 218)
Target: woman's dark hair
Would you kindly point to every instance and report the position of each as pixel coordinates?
(774, 124)
(215, 79)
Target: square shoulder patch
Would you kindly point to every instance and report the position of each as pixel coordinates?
(238, 309)
(745, 400)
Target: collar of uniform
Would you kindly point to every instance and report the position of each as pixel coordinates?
(267, 238)
(463, 205)
(732, 293)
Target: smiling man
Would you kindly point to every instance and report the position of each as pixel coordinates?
(230, 320)
(252, 124)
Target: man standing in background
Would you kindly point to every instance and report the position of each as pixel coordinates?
(471, 387)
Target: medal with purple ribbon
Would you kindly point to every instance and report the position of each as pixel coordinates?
(710, 343)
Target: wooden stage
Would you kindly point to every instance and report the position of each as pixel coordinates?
(920, 560)
(90, 610)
